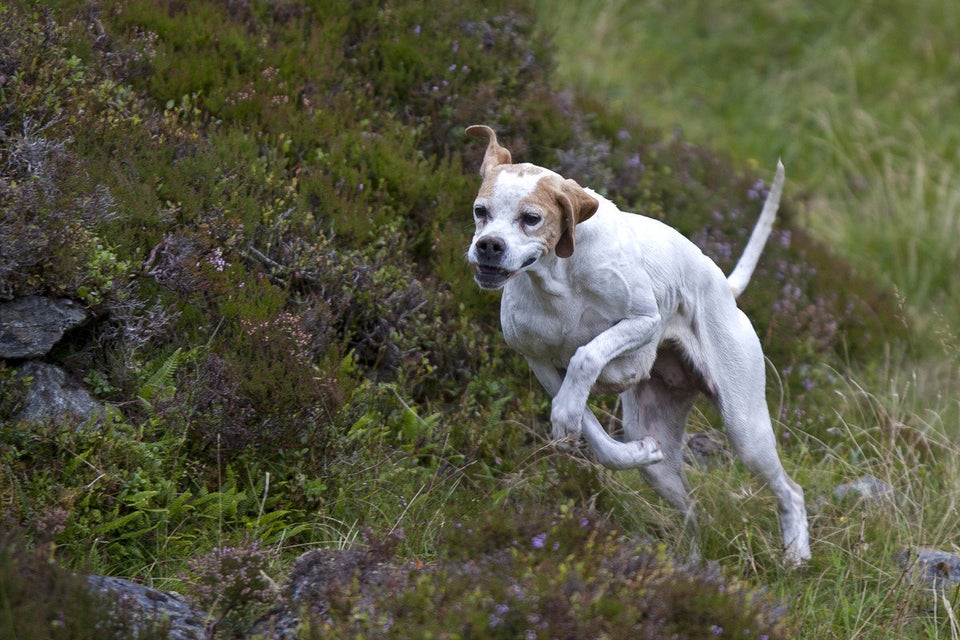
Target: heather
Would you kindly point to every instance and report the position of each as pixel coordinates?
(265, 207)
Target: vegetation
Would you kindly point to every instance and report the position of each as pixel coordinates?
(266, 205)
(858, 99)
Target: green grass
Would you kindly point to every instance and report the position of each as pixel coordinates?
(858, 98)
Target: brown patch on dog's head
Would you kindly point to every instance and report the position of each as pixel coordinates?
(517, 170)
(564, 204)
(495, 155)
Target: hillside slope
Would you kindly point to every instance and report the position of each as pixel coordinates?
(264, 206)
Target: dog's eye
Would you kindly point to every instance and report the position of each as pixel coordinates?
(480, 212)
(530, 219)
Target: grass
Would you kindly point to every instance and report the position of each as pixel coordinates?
(854, 587)
(859, 100)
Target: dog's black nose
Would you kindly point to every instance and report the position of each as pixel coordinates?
(491, 249)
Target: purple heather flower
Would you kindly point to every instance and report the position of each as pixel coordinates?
(539, 540)
(517, 592)
(497, 617)
(785, 238)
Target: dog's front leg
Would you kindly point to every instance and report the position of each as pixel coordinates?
(589, 361)
(609, 452)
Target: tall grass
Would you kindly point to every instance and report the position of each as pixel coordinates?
(858, 98)
(856, 587)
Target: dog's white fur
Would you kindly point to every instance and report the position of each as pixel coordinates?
(599, 300)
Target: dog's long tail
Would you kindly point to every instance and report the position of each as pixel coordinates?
(740, 277)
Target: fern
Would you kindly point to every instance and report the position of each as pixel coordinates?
(160, 382)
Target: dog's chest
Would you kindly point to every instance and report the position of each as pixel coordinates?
(551, 327)
(549, 337)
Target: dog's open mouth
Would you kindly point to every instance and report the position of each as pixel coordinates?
(489, 277)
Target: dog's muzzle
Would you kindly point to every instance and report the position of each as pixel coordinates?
(489, 252)
(491, 277)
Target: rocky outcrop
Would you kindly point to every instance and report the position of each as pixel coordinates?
(52, 397)
(31, 326)
(315, 579)
(146, 607)
(933, 567)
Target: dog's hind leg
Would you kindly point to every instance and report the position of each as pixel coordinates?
(742, 403)
(652, 409)
(753, 442)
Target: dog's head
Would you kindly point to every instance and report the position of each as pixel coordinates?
(522, 212)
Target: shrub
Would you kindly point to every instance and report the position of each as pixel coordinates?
(527, 573)
(230, 578)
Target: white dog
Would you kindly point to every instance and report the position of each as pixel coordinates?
(599, 300)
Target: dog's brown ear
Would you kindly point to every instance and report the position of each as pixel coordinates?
(495, 155)
(577, 205)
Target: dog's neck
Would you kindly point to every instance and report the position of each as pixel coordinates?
(548, 276)
(552, 277)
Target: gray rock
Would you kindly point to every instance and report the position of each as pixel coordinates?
(314, 577)
(706, 450)
(317, 578)
(867, 488)
(30, 326)
(938, 569)
(53, 396)
(147, 606)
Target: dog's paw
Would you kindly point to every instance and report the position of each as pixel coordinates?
(566, 444)
(797, 552)
(796, 559)
(648, 451)
(563, 433)
(565, 424)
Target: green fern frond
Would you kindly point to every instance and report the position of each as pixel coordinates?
(161, 380)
